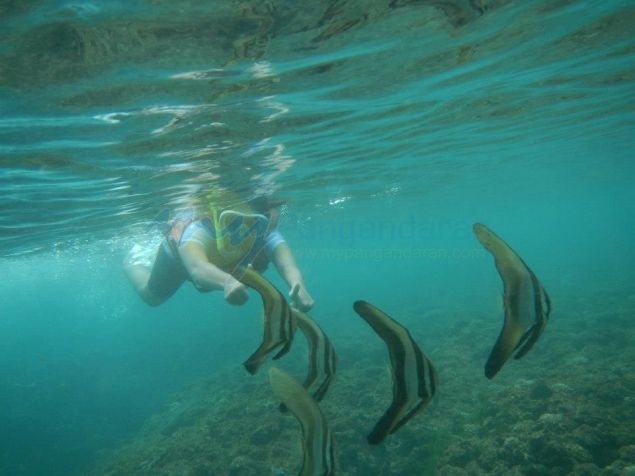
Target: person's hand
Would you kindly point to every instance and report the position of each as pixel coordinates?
(301, 298)
(235, 292)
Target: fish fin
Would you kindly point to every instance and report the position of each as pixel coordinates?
(285, 348)
(384, 425)
(528, 341)
(410, 414)
(504, 347)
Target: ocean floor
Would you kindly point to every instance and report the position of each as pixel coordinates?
(568, 407)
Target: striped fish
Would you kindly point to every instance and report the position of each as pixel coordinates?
(414, 380)
(527, 305)
(317, 439)
(279, 321)
(322, 357)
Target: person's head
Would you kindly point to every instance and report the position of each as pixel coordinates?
(264, 203)
(268, 206)
(237, 224)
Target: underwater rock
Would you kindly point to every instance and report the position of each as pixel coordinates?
(553, 453)
(540, 390)
(238, 466)
(461, 455)
(550, 418)
(625, 462)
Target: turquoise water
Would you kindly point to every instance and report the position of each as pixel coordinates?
(390, 130)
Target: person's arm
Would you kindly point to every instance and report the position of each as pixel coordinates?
(209, 277)
(288, 270)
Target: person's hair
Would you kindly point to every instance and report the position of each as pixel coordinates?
(264, 203)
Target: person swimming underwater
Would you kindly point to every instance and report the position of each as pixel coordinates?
(216, 233)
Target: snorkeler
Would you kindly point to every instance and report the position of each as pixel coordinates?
(215, 234)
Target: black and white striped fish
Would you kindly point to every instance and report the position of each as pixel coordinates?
(414, 380)
(317, 439)
(322, 357)
(527, 304)
(279, 322)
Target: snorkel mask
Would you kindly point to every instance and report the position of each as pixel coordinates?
(236, 225)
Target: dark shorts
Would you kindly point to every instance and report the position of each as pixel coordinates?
(168, 273)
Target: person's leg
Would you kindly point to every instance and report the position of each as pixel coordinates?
(139, 276)
(165, 278)
(144, 266)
